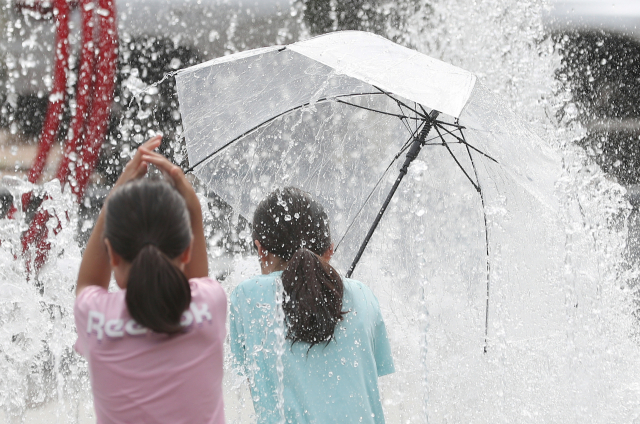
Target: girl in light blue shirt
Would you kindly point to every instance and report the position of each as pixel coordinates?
(311, 343)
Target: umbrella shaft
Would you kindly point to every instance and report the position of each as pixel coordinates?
(413, 152)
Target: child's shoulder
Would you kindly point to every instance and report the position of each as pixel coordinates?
(93, 297)
(357, 291)
(255, 287)
(357, 286)
(204, 281)
(207, 287)
(259, 281)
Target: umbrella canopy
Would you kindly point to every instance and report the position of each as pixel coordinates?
(235, 98)
(336, 116)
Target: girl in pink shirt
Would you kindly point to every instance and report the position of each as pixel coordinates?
(154, 348)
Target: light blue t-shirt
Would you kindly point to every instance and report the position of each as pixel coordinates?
(334, 383)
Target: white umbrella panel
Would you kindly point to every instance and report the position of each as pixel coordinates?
(333, 115)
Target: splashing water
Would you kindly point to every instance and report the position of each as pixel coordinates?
(587, 371)
(583, 369)
(280, 331)
(424, 327)
(37, 363)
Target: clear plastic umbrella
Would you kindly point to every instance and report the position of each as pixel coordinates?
(342, 116)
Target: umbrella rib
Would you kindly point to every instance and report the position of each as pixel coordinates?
(425, 117)
(441, 143)
(422, 107)
(428, 118)
(406, 145)
(377, 111)
(458, 126)
(412, 154)
(464, 141)
(444, 143)
(486, 239)
(423, 110)
(263, 123)
(406, 124)
(436, 137)
(417, 119)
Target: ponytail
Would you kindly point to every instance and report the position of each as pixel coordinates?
(313, 298)
(293, 226)
(147, 224)
(158, 292)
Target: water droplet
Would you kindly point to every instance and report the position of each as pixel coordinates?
(213, 35)
(175, 63)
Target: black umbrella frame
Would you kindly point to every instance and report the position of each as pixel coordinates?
(420, 124)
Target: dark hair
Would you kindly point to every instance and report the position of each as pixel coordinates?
(290, 224)
(147, 224)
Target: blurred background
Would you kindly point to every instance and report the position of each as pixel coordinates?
(570, 69)
(598, 43)
(155, 38)
(588, 81)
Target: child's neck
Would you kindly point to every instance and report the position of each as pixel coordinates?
(271, 263)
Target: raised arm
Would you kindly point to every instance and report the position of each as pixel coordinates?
(95, 268)
(198, 266)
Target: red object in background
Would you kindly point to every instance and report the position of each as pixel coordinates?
(56, 98)
(84, 90)
(12, 212)
(103, 95)
(89, 125)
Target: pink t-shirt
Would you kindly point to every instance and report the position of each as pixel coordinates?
(139, 376)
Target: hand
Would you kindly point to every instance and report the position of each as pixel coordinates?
(199, 264)
(137, 167)
(173, 172)
(95, 268)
